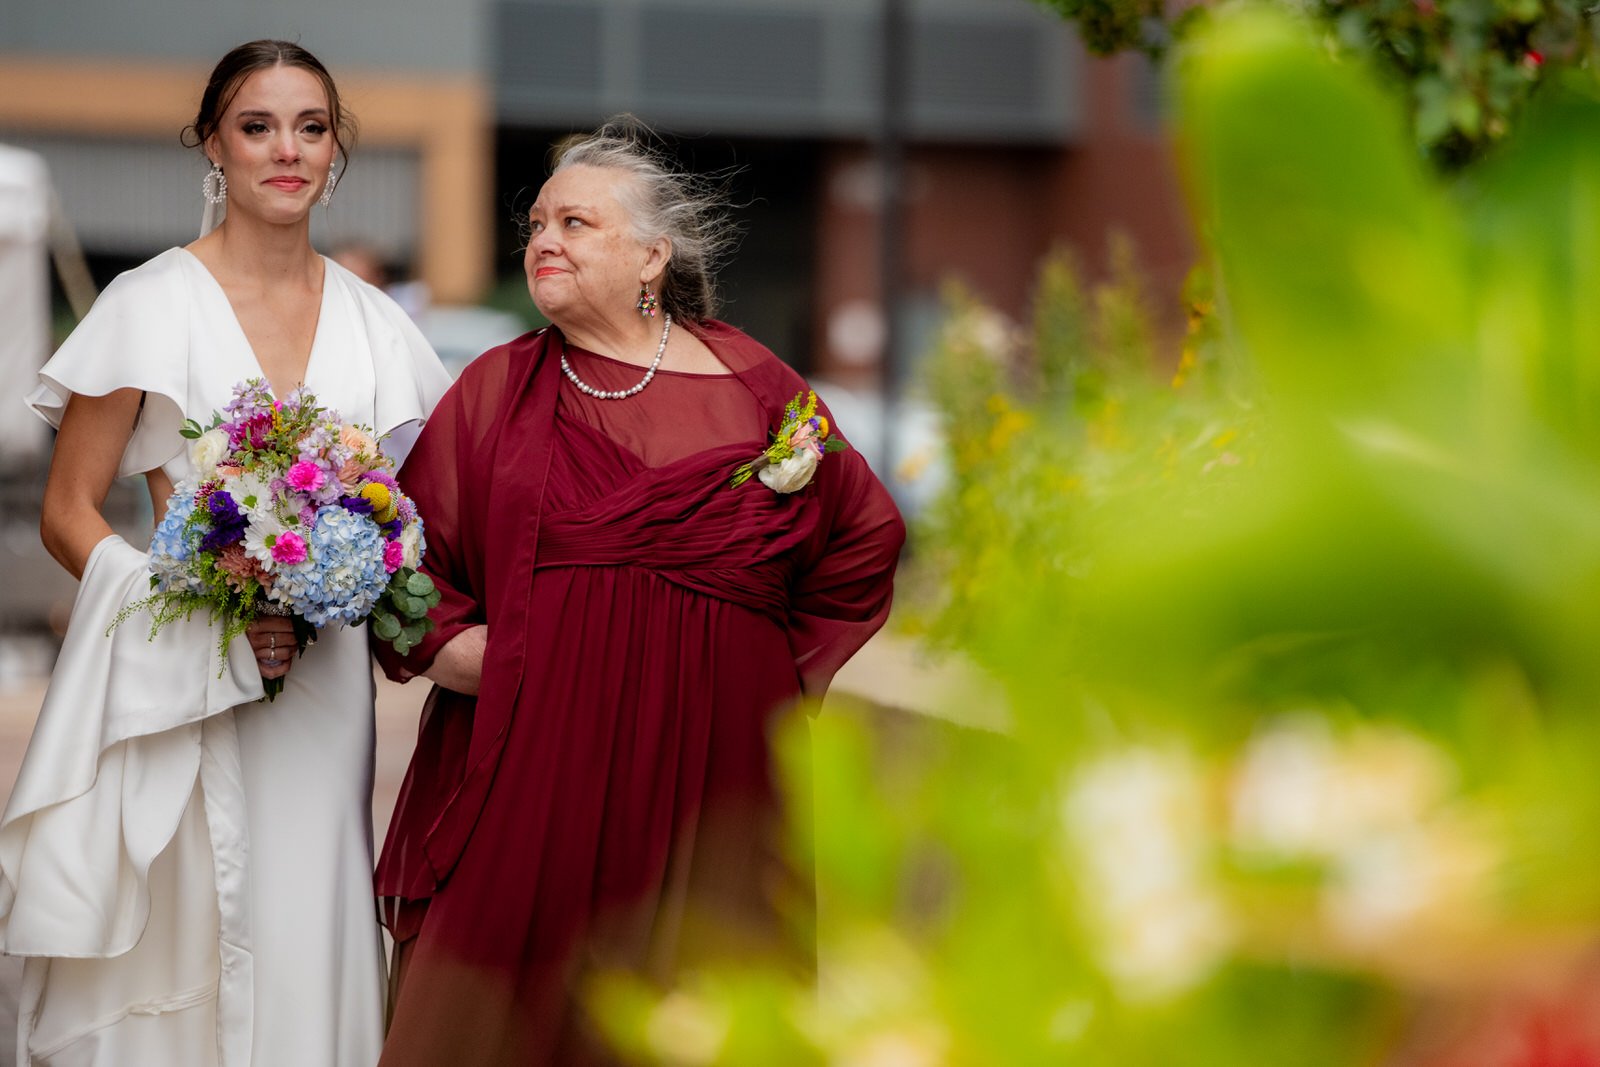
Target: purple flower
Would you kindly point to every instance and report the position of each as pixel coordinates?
(227, 525)
(358, 504)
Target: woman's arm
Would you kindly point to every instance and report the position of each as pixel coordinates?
(459, 664)
(94, 431)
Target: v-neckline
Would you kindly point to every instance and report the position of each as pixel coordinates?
(244, 338)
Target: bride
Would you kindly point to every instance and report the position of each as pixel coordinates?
(186, 869)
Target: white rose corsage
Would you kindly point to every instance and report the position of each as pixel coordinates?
(798, 445)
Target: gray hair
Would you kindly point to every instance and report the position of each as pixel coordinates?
(689, 210)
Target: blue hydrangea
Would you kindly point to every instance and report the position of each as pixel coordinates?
(172, 546)
(343, 576)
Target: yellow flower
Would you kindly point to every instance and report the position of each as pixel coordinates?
(383, 506)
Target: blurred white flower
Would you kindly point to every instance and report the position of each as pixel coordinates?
(1373, 807)
(1138, 821)
(916, 1045)
(687, 1030)
(985, 330)
(870, 976)
(1429, 876)
(1303, 791)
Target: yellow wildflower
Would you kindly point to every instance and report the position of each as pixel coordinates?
(383, 505)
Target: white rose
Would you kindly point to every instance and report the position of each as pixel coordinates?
(411, 541)
(792, 474)
(207, 450)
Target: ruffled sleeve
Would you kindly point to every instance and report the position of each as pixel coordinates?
(409, 379)
(135, 337)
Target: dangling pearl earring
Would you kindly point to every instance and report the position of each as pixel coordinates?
(214, 185)
(647, 302)
(327, 189)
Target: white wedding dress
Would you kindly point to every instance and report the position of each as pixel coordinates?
(188, 870)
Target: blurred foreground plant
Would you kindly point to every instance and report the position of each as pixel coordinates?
(1303, 742)
(1465, 68)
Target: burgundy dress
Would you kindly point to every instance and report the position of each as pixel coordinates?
(609, 800)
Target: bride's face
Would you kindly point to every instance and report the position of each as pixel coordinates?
(275, 144)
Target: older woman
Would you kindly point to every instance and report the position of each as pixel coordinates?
(593, 787)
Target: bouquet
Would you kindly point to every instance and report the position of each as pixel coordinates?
(290, 512)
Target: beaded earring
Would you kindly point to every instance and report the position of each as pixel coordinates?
(214, 185)
(648, 303)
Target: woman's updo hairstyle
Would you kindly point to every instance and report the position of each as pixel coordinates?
(690, 211)
(232, 70)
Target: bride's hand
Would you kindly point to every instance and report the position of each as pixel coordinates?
(272, 640)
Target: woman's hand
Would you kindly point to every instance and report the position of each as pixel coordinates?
(459, 664)
(272, 640)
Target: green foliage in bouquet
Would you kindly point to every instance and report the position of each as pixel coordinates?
(401, 614)
(1297, 644)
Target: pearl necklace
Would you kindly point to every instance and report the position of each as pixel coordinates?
(617, 394)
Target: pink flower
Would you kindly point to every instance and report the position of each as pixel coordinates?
(350, 475)
(306, 477)
(289, 548)
(394, 554)
(252, 432)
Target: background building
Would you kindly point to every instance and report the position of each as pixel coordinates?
(1010, 141)
(1014, 140)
